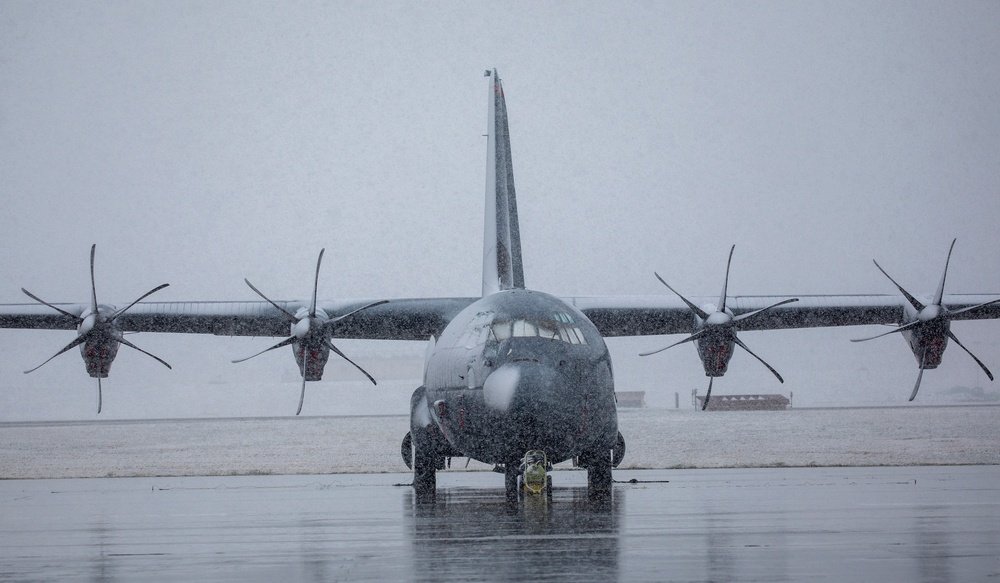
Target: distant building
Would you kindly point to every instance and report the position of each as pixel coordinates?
(631, 398)
(745, 403)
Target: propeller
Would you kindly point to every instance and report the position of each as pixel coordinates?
(931, 327)
(98, 331)
(716, 332)
(311, 334)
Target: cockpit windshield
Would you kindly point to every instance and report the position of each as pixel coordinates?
(560, 327)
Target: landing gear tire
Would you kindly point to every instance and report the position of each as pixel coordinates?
(512, 482)
(599, 477)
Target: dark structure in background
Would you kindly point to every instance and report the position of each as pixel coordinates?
(631, 398)
(745, 402)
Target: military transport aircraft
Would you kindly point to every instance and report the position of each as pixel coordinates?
(517, 378)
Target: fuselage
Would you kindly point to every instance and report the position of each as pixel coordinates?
(521, 370)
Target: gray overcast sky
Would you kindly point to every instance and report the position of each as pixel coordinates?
(201, 143)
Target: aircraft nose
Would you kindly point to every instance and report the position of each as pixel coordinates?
(501, 386)
(535, 405)
(523, 384)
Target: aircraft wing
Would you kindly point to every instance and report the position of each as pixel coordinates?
(401, 319)
(420, 318)
(654, 315)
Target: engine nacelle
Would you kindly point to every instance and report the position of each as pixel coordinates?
(715, 354)
(100, 346)
(316, 357)
(928, 342)
(98, 357)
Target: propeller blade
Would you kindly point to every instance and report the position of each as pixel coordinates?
(940, 290)
(149, 354)
(371, 305)
(302, 369)
(142, 297)
(93, 281)
(920, 375)
(78, 341)
(979, 362)
(284, 342)
(312, 306)
(290, 315)
(951, 315)
(749, 315)
(902, 328)
(769, 367)
(917, 304)
(725, 283)
(701, 313)
(44, 303)
(708, 395)
(690, 338)
(100, 398)
(344, 356)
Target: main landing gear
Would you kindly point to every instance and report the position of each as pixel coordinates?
(425, 460)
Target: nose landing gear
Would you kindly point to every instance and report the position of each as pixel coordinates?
(534, 469)
(530, 476)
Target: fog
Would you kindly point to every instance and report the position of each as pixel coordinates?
(198, 144)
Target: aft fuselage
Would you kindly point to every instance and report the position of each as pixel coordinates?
(521, 370)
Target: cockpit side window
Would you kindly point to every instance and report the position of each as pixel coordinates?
(479, 330)
(548, 330)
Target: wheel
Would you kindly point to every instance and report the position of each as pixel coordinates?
(618, 451)
(599, 477)
(406, 450)
(511, 482)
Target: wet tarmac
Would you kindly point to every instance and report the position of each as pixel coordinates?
(795, 524)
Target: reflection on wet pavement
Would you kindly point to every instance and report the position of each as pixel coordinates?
(782, 524)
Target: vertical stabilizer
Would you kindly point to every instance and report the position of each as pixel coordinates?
(502, 239)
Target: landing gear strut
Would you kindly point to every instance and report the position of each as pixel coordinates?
(424, 476)
(598, 474)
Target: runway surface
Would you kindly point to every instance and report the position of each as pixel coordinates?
(655, 438)
(766, 524)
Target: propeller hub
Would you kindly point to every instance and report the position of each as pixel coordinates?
(301, 328)
(930, 312)
(87, 324)
(718, 319)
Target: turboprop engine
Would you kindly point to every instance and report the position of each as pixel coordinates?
(929, 327)
(98, 334)
(715, 332)
(311, 336)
